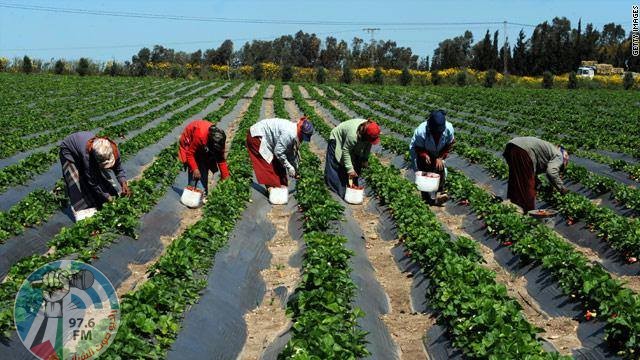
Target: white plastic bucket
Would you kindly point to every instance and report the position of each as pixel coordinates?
(279, 195)
(427, 181)
(191, 197)
(83, 214)
(354, 195)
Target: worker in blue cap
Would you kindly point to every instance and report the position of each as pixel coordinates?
(430, 145)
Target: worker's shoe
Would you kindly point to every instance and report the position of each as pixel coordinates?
(427, 198)
(441, 199)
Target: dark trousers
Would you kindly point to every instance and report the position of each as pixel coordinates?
(203, 166)
(335, 174)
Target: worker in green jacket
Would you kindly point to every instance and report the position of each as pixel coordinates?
(348, 152)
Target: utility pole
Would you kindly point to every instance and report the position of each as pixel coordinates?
(504, 48)
(371, 32)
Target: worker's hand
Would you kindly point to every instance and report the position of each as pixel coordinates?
(291, 172)
(439, 164)
(564, 191)
(352, 174)
(196, 174)
(426, 158)
(126, 191)
(110, 198)
(365, 164)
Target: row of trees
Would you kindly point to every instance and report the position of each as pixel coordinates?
(554, 47)
(301, 50)
(82, 67)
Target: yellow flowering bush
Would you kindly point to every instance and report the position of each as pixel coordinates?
(529, 81)
(448, 73)
(303, 74)
(219, 70)
(421, 77)
(271, 71)
(608, 80)
(158, 66)
(246, 70)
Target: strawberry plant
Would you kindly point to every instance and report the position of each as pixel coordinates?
(151, 315)
(325, 323)
(15, 219)
(87, 237)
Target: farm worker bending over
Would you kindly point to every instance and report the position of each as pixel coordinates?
(430, 145)
(348, 152)
(202, 149)
(85, 159)
(528, 157)
(273, 148)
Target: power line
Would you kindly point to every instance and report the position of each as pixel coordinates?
(226, 19)
(145, 15)
(195, 42)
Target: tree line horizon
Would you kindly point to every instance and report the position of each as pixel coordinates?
(553, 46)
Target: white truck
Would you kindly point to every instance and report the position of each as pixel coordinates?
(589, 68)
(586, 71)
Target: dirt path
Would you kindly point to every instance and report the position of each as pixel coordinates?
(268, 94)
(188, 217)
(266, 322)
(407, 327)
(342, 107)
(286, 92)
(267, 108)
(304, 92)
(560, 331)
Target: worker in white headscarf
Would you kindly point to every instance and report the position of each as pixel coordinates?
(86, 159)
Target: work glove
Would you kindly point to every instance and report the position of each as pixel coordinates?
(352, 174)
(291, 172)
(439, 164)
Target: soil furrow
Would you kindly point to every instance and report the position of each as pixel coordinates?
(268, 320)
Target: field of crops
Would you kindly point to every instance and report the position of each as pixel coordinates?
(318, 278)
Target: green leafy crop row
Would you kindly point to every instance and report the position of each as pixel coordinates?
(87, 237)
(151, 315)
(465, 292)
(483, 320)
(37, 163)
(29, 211)
(623, 234)
(324, 321)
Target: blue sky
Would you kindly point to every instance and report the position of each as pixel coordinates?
(48, 35)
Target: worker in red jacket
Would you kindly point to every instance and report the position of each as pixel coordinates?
(202, 149)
